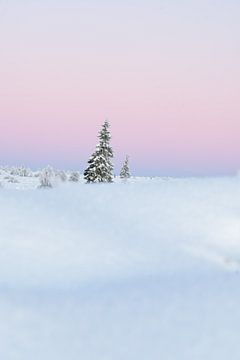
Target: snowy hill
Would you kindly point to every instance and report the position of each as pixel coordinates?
(147, 269)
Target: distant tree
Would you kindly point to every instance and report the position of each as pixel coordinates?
(45, 178)
(74, 176)
(125, 172)
(100, 168)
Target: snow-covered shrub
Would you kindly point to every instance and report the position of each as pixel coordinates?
(23, 171)
(13, 180)
(19, 171)
(61, 175)
(45, 179)
(74, 176)
(50, 170)
(12, 171)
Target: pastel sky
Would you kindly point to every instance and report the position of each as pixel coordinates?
(166, 73)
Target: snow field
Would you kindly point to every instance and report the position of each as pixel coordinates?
(136, 270)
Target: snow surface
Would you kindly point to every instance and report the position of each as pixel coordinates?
(147, 269)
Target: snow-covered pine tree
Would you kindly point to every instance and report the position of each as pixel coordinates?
(125, 172)
(100, 168)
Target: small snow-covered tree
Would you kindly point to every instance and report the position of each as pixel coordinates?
(125, 172)
(100, 168)
(45, 179)
(74, 177)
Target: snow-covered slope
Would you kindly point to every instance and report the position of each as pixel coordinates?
(146, 269)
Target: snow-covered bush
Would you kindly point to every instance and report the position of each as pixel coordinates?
(74, 176)
(45, 179)
(13, 180)
(61, 175)
(23, 171)
(12, 171)
(19, 171)
(50, 170)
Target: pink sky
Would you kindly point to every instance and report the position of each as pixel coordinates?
(165, 74)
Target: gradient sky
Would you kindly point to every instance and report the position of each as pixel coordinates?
(165, 73)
